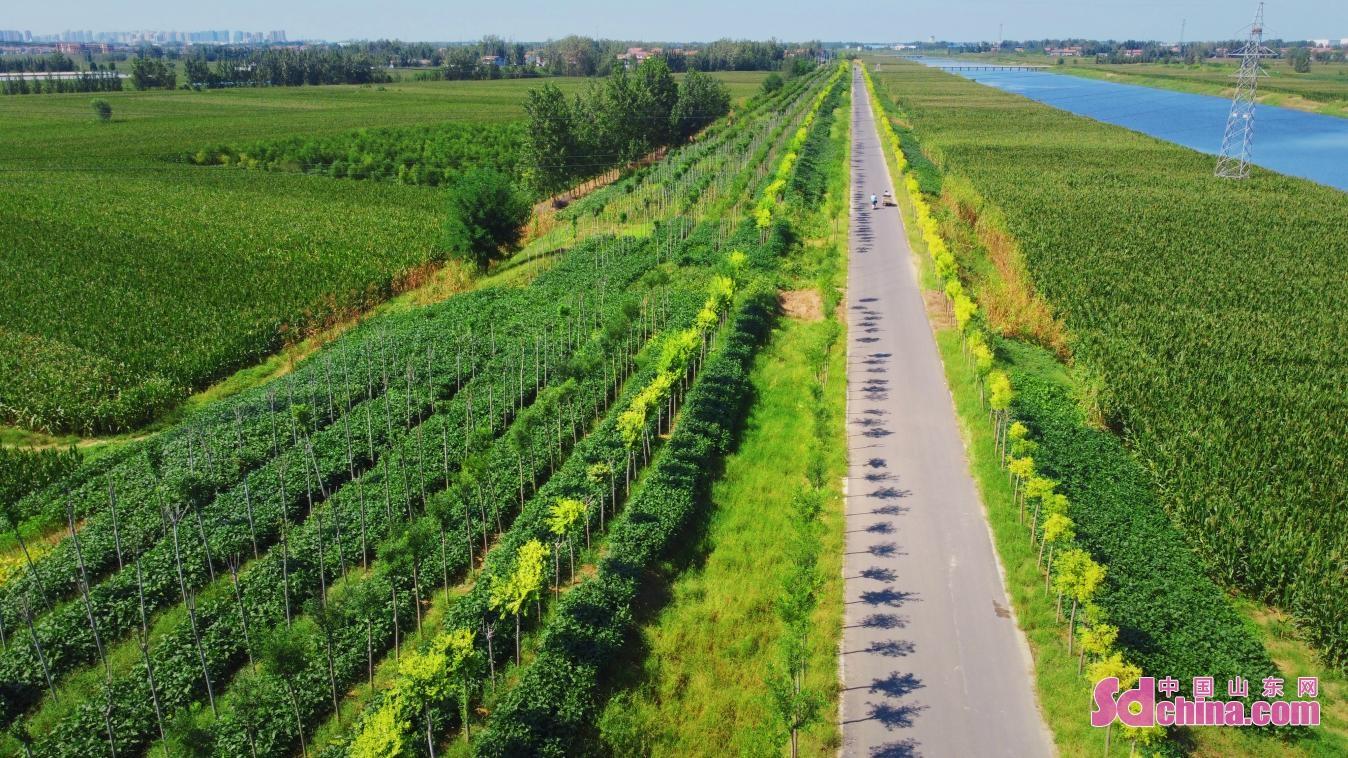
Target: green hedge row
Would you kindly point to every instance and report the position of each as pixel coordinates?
(1173, 620)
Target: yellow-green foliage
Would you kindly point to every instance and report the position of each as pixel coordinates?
(523, 584)
(564, 515)
(677, 352)
(423, 676)
(764, 208)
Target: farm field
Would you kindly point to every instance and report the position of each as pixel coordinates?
(534, 442)
(1177, 334)
(145, 278)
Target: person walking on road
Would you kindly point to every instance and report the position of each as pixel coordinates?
(872, 202)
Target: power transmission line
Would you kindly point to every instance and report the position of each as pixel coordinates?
(1234, 160)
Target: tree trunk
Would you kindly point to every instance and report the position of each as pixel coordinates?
(430, 740)
(394, 590)
(416, 592)
(107, 723)
(42, 595)
(248, 510)
(332, 675)
(1048, 569)
(192, 615)
(299, 722)
(1072, 627)
(364, 546)
(205, 545)
(491, 659)
(116, 532)
(444, 559)
(322, 565)
(466, 714)
(37, 648)
(243, 617)
(84, 591)
(285, 570)
(144, 642)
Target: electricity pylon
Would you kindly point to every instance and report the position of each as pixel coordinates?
(1234, 161)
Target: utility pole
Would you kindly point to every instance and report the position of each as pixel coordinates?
(1233, 163)
(1183, 22)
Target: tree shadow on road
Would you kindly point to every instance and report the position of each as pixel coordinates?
(881, 621)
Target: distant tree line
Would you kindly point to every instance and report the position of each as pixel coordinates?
(281, 67)
(584, 56)
(36, 63)
(50, 84)
(495, 58)
(615, 122)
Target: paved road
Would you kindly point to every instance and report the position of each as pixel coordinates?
(933, 663)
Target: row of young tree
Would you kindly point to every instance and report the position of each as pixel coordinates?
(55, 61)
(86, 81)
(620, 120)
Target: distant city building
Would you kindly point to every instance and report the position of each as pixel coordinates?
(146, 37)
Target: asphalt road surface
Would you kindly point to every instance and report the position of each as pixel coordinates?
(932, 661)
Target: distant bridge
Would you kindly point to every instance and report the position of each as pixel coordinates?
(966, 65)
(991, 67)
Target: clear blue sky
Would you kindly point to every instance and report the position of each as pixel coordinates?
(869, 20)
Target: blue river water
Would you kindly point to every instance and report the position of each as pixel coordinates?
(1308, 145)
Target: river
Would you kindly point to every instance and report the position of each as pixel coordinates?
(1297, 143)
